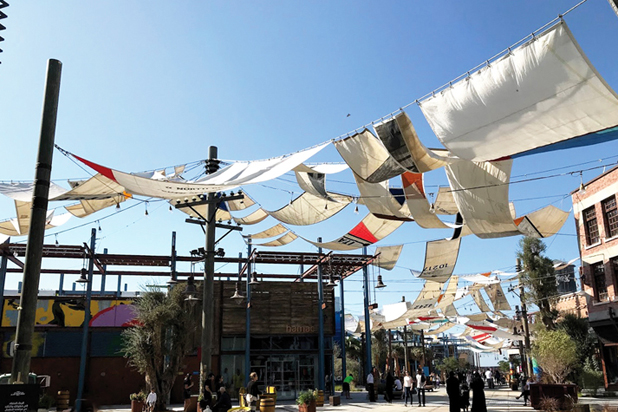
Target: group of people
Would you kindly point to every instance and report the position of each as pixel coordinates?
(410, 386)
(215, 396)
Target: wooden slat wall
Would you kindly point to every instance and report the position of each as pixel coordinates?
(277, 308)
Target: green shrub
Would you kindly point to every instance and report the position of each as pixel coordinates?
(306, 397)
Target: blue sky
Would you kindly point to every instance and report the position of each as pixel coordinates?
(153, 84)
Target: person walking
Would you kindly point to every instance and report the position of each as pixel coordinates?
(478, 394)
(186, 392)
(407, 388)
(253, 392)
(346, 386)
(489, 377)
(151, 400)
(370, 386)
(452, 390)
(525, 391)
(388, 390)
(420, 386)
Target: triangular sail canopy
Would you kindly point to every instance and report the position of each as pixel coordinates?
(401, 141)
(418, 204)
(445, 202)
(425, 302)
(440, 260)
(289, 237)
(230, 177)
(252, 218)
(11, 227)
(481, 191)
(381, 202)
(366, 156)
(270, 232)
(22, 191)
(312, 178)
(540, 93)
(369, 231)
(475, 291)
(308, 209)
(387, 256)
(497, 297)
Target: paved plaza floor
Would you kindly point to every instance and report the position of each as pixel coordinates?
(498, 400)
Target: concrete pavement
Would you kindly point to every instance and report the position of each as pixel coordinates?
(498, 400)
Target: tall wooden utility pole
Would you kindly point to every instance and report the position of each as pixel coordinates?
(34, 250)
(524, 322)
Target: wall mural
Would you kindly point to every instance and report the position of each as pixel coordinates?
(69, 312)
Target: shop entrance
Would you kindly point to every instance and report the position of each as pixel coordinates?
(290, 374)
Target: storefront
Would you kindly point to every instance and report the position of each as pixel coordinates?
(284, 343)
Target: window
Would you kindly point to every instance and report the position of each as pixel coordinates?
(600, 286)
(610, 216)
(614, 264)
(590, 226)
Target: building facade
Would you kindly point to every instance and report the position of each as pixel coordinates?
(596, 217)
(283, 340)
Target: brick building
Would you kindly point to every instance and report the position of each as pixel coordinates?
(596, 218)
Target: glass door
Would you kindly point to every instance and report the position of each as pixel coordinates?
(281, 374)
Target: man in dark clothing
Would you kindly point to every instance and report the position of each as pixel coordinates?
(452, 390)
(224, 402)
(253, 392)
(388, 391)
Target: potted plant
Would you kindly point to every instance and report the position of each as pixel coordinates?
(306, 401)
(137, 401)
(556, 354)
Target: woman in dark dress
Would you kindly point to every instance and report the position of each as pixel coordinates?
(478, 394)
(452, 390)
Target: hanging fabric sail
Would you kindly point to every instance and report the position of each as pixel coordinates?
(387, 256)
(496, 296)
(312, 178)
(94, 194)
(366, 156)
(475, 291)
(486, 278)
(445, 202)
(278, 229)
(492, 330)
(308, 209)
(230, 177)
(381, 202)
(240, 204)
(543, 92)
(481, 192)
(542, 223)
(252, 218)
(369, 231)
(281, 241)
(440, 329)
(418, 204)
(448, 296)
(402, 143)
(440, 259)
(450, 311)
(11, 227)
(425, 302)
(22, 191)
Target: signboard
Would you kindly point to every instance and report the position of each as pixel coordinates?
(19, 398)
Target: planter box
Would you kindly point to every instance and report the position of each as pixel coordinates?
(137, 406)
(334, 400)
(538, 391)
(310, 407)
